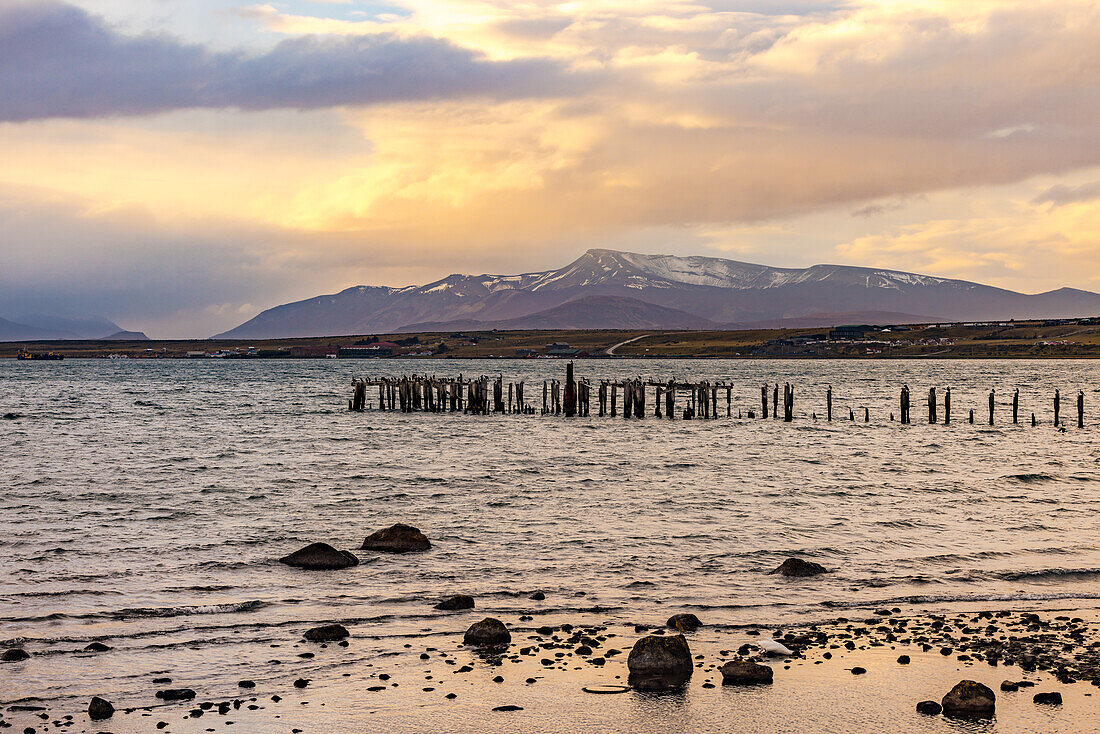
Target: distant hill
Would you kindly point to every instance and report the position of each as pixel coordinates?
(127, 336)
(44, 327)
(621, 290)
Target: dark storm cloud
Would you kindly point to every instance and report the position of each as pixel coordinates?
(56, 60)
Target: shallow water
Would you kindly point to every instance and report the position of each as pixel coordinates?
(146, 504)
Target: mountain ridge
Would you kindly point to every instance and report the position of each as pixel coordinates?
(664, 291)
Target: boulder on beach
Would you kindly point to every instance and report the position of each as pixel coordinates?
(14, 655)
(176, 694)
(320, 557)
(659, 662)
(100, 708)
(969, 698)
(456, 602)
(745, 673)
(487, 632)
(684, 622)
(326, 633)
(1053, 698)
(796, 567)
(399, 538)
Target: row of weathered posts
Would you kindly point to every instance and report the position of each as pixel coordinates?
(486, 395)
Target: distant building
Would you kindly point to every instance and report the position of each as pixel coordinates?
(526, 353)
(849, 332)
(307, 352)
(378, 349)
(561, 349)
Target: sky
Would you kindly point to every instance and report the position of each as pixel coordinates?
(179, 165)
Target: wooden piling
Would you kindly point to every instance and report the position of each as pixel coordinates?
(570, 392)
(947, 406)
(1057, 406)
(829, 403)
(932, 405)
(1016, 406)
(991, 407)
(1080, 409)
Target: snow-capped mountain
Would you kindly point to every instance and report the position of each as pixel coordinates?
(657, 291)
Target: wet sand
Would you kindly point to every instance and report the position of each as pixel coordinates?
(436, 683)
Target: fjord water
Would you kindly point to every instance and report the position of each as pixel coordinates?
(146, 503)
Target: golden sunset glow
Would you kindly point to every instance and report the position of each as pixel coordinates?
(309, 146)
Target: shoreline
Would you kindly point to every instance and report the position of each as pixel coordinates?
(1058, 649)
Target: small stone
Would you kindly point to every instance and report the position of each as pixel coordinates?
(1053, 698)
(456, 602)
(903, 660)
(684, 622)
(301, 683)
(326, 633)
(797, 567)
(100, 708)
(509, 707)
(929, 708)
(246, 684)
(399, 538)
(487, 632)
(537, 596)
(14, 655)
(969, 698)
(745, 673)
(176, 694)
(1009, 686)
(858, 670)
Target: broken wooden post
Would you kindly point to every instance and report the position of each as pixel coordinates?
(544, 410)
(931, 405)
(729, 401)
(657, 403)
(1033, 422)
(1057, 407)
(829, 403)
(971, 416)
(764, 401)
(1080, 408)
(947, 406)
(570, 392)
(1016, 406)
(991, 407)
(670, 400)
(614, 398)
(866, 414)
(775, 402)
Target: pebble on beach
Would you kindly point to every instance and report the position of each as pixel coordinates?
(745, 673)
(487, 632)
(455, 603)
(326, 633)
(399, 538)
(969, 698)
(684, 622)
(99, 708)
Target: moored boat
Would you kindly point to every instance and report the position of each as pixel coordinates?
(24, 354)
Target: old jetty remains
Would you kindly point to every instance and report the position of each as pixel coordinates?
(489, 395)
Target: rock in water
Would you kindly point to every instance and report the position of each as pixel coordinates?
(14, 655)
(456, 602)
(969, 698)
(487, 632)
(684, 622)
(100, 709)
(659, 662)
(399, 538)
(320, 557)
(929, 708)
(96, 647)
(798, 567)
(176, 694)
(1054, 698)
(326, 633)
(745, 673)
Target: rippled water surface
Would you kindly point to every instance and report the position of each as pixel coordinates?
(146, 503)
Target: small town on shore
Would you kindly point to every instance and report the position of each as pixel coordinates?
(1053, 338)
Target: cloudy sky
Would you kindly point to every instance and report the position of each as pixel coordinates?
(179, 165)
